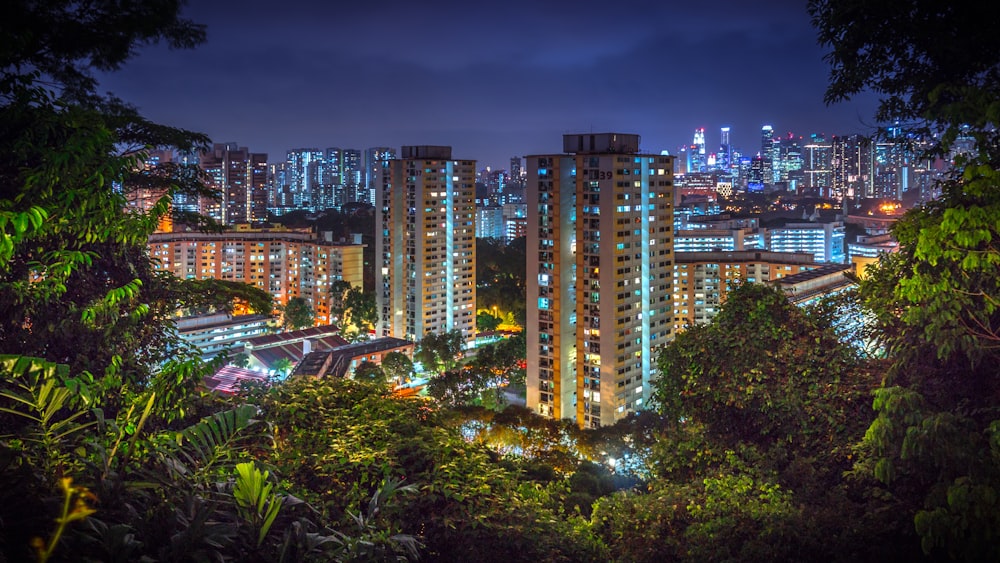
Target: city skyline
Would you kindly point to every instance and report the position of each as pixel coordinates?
(492, 84)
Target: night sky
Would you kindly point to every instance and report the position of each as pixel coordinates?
(493, 80)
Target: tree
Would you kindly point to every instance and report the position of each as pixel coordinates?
(341, 438)
(761, 411)
(774, 374)
(934, 439)
(398, 367)
(371, 372)
(106, 459)
(361, 310)
(297, 314)
(440, 352)
(501, 276)
(497, 366)
(486, 322)
(354, 310)
(76, 283)
(61, 40)
(455, 388)
(283, 367)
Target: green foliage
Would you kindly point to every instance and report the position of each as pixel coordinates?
(398, 367)
(486, 322)
(926, 61)
(455, 388)
(500, 276)
(733, 514)
(215, 438)
(283, 366)
(255, 500)
(486, 376)
(787, 379)
(341, 439)
(936, 301)
(440, 352)
(45, 415)
(354, 310)
(297, 314)
(371, 372)
(211, 295)
(63, 40)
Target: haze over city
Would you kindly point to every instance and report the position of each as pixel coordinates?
(491, 80)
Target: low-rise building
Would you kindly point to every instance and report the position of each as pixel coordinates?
(221, 332)
(343, 360)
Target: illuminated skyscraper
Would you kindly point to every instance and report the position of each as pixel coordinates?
(375, 159)
(599, 239)
(240, 177)
(425, 280)
(698, 155)
(767, 154)
(725, 150)
(353, 171)
(304, 175)
(818, 164)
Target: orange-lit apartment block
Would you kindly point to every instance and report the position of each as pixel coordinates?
(285, 263)
(702, 279)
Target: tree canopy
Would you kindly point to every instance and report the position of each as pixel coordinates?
(297, 314)
(933, 441)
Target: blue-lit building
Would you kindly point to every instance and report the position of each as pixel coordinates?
(303, 169)
(825, 241)
(217, 333)
(490, 222)
(709, 240)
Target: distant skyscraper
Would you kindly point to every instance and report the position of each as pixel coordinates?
(240, 177)
(375, 159)
(818, 164)
(725, 150)
(333, 176)
(304, 168)
(514, 192)
(698, 155)
(767, 154)
(425, 245)
(353, 170)
(279, 196)
(755, 178)
(789, 167)
(600, 223)
(516, 171)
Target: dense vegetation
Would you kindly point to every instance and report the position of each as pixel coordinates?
(774, 437)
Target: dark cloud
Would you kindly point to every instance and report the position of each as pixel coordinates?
(491, 79)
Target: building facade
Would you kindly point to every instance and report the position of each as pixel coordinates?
(702, 280)
(825, 241)
(285, 263)
(240, 178)
(425, 279)
(600, 265)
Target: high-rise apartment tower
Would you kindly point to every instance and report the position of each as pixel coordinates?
(425, 279)
(600, 267)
